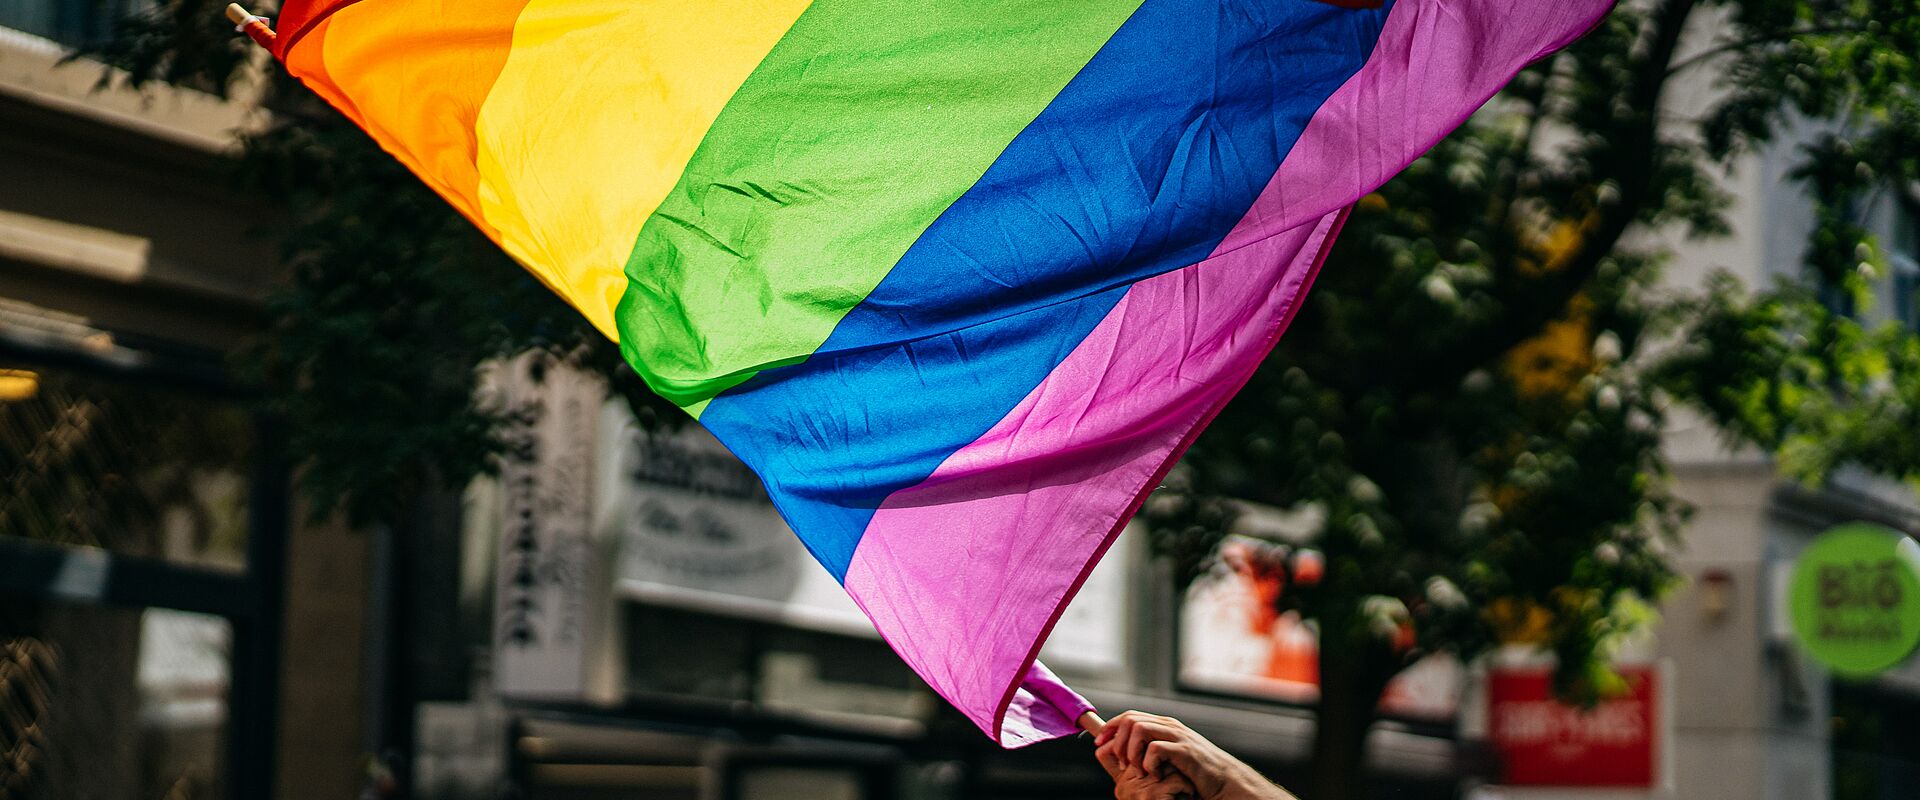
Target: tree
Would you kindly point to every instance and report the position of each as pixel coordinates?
(1472, 395)
(394, 303)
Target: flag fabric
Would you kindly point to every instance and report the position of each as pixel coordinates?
(958, 280)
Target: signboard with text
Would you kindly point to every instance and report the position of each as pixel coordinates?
(696, 531)
(1545, 742)
(1854, 600)
(549, 593)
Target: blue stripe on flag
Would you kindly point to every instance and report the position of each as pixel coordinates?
(1143, 164)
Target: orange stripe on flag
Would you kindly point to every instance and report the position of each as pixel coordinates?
(304, 63)
(448, 67)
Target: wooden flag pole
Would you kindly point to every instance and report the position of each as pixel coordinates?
(1091, 723)
(254, 27)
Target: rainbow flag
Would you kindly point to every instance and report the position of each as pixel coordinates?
(959, 280)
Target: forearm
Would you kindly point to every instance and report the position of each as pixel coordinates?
(1248, 784)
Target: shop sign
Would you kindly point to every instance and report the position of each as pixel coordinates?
(696, 531)
(1545, 742)
(548, 609)
(1855, 602)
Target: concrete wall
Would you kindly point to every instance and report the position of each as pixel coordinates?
(322, 676)
(119, 206)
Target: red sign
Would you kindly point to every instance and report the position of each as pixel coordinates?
(1544, 742)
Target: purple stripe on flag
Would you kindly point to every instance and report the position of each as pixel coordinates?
(966, 572)
(1429, 72)
(976, 561)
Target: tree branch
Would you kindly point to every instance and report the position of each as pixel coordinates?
(1541, 300)
(1521, 160)
(1781, 37)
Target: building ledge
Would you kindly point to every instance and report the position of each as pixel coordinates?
(37, 71)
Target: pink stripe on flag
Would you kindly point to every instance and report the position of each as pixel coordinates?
(1429, 72)
(978, 561)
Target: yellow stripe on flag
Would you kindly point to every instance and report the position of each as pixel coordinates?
(598, 109)
(367, 49)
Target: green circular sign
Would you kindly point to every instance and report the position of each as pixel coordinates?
(1855, 600)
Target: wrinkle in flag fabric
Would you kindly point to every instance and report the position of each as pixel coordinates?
(959, 281)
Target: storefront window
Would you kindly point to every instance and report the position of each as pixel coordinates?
(1906, 270)
(111, 702)
(135, 469)
(69, 22)
(1876, 743)
(1235, 641)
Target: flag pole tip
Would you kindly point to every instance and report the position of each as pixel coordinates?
(256, 28)
(1091, 723)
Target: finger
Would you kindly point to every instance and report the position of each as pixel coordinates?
(1142, 733)
(1132, 741)
(1156, 718)
(1116, 726)
(1109, 758)
(1178, 789)
(1162, 755)
(1132, 784)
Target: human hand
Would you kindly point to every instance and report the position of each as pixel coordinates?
(1136, 783)
(1157, 745)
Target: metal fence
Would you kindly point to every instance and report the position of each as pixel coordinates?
(142, 523)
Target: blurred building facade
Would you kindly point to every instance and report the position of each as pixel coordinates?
(1753, 716)
(153, 642)
(1736, 708)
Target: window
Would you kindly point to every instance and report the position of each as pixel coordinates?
(78, 682)
(69, 22)
(137, 470)
(1875, 741)
(1905, 255)
(142, 514)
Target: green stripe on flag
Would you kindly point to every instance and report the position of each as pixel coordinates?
(863, 124)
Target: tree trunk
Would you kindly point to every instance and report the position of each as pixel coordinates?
(1352, 677)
